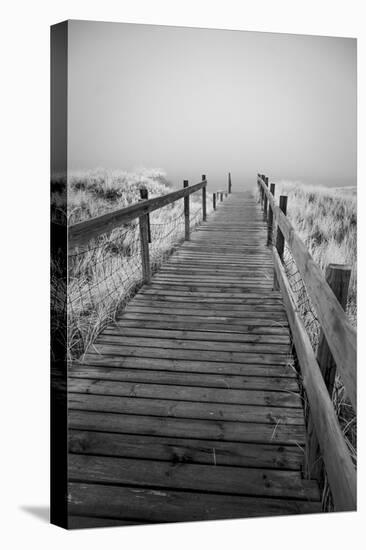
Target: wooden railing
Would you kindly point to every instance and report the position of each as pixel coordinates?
(80, 234)
(337, 348)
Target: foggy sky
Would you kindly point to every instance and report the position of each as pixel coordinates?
(194, 101)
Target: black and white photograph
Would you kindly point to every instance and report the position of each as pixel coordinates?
(203, 274)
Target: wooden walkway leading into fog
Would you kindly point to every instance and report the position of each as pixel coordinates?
(188, 407)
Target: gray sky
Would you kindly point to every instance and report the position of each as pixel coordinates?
(193, 101)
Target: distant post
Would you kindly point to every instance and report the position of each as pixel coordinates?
(229, 183)
(204, 212)
(144, 240)
(270, 216)
(338, 278)
(221, 196)
(186, 213)
(214, 201)
(265, 207)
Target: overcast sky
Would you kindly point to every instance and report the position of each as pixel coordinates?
(193, 101)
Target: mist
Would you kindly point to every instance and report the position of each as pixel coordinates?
(200, 101)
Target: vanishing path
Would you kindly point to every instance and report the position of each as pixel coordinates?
(188, 407)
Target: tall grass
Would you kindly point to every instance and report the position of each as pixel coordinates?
(326, 220)
(104, 276)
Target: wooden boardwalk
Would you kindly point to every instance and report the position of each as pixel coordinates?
(188, 407)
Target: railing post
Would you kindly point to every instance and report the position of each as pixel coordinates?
(214, 201)
(259, 188)
(338, 278)
(265, 206)
(229, 183)
(144, 194)
(280, 240)
(145, 238)
(261, 176)
(270, 216)
(186, 213)
(204, 213)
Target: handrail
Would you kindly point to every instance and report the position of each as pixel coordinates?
(327, 440)
(81, 233)
(338, 463)
(338, 331)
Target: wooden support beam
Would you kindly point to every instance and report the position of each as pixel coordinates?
(280, 241)
(337, 277)
(186, 214)
(204, 210)
(265, 204)
(144, 194)
(261, 177)
(144, 240)
(270, 217)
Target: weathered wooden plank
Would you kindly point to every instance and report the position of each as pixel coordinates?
(197, 477)
(178, 450)
(171, 506)
(286, 398)
(210, 312)
(268, 383)
(193, 324)
(243, 369)
(170, 302)
(183, 344)
(238, 297)
(197, 323)
(216, 263)
(222, 288)
(150, 332)
(255, 280)
(185, 409)
(192, 355)
(244, 432)
(214, 269)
